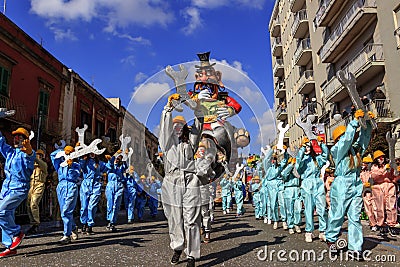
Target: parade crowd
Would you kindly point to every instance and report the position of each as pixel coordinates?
(83, 177)
(287, 184)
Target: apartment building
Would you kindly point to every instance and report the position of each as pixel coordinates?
(358, 36)
(293, 64)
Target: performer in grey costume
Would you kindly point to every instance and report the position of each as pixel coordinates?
(181, 186)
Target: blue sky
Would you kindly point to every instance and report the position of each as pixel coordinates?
(118, 45)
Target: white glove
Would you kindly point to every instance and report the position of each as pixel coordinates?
(265, 150)
(223, 113)
(203, 95)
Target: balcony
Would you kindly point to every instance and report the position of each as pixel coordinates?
(20, 115)
(278, 68)
(328, 9)
(381, 108)
(300, 24)
(303, 53)
(280, 90)
(306, 82)
(48, 125)
(310, 109)
(366, 64)
(281, 113)
(277, 47)
(276, 28)
(355, 21)
(296, 5)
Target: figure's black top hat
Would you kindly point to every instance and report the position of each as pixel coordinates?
(204, 61)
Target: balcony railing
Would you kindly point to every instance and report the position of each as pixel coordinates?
(344, 24)
(281, 110)
(324, 6)
(47, 125)
(306, 77)
(278, 64)
(304, 45)
(296, 5)
(276, 24)
(10, 104)
(309, 109)
(298, 18)
(277, 42)
(381, 108)
(370, 53)
(280, 85)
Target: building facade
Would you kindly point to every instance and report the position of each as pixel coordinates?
(358, 36)
(31, 84)
(53, 100)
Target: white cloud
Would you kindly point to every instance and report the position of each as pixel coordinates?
(116, 13)
(61, 35)
(156, 130)
(138, 39)
(251, 97)
(129, 60)
(192, 15)
(267, 128)
(140, 77)
(230, 72)
(74, 9)
(149, 93)
(211, 4)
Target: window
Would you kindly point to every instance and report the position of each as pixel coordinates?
(331, 71)
(43, 107)
(100, 128)
(112, 133)
(86, 118)
(396, 17)
(4, 80)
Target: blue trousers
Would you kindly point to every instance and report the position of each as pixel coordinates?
(239, 201)
(293, 206)
(90, 193)
(153, 205)
(273, 189)
(226, 201)
(140, 203)
(257, 205)
(114, 191)
(265, 205)
(346, 199)
(130, 199)
(313, 193)
(67, 194)
(9, 201)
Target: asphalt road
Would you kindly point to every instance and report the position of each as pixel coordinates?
(235, 242)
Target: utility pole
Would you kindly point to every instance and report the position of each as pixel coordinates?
(4, 7)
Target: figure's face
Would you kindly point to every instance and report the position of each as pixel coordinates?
(92, 155)
(18, 138)
(39, 156)
(208, 75)
(118, 160)
(178, 128)
(381, 160)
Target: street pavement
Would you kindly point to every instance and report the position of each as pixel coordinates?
(234, 242)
